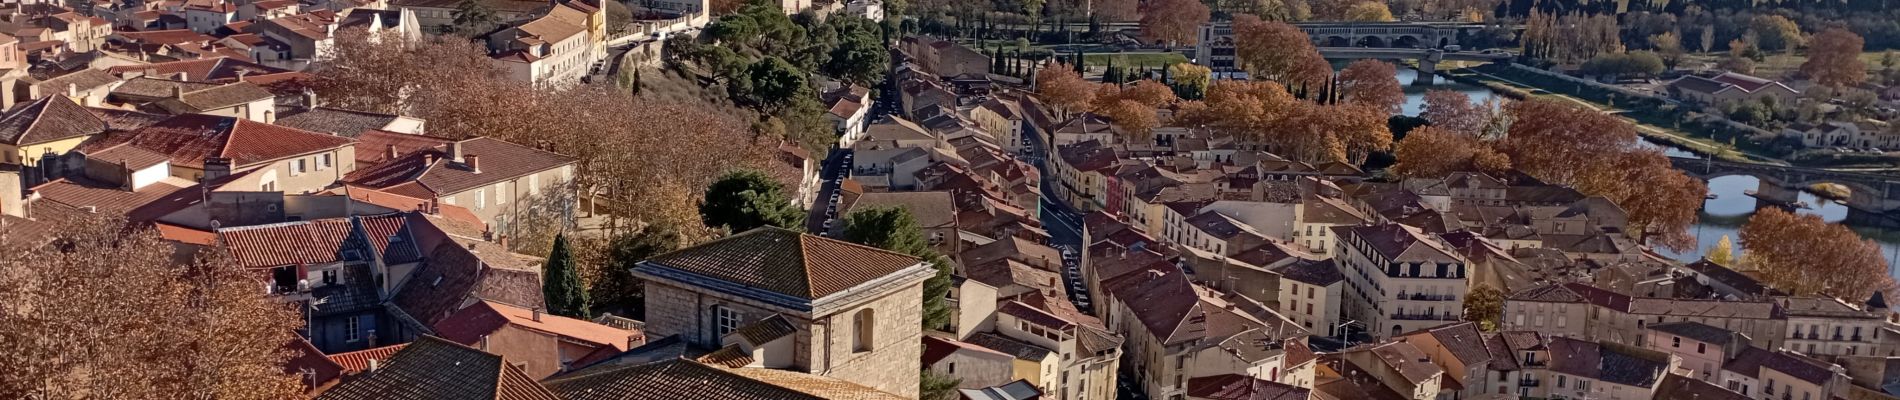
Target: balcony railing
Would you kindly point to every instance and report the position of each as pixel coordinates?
(1529, 382)
(1426, 297)
(1534, 363)
(1424, 317)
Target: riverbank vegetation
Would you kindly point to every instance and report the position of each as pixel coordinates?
(1564, 144)
(1805, 255)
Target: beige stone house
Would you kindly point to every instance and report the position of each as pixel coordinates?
(1784, 374)
(1703, 349)
(500, 182)
(543, 343)
(202, 146)
(1828, 326)
(778, 299)
(1458, 350)
(1580, 311)
(1399, 278)
(1088, 354)
(1176, 330)
(973, 366)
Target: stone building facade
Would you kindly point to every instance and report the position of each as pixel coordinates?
(850, 312)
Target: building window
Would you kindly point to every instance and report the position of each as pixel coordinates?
(865, 323)
(1701, 347)
(350, 326)
(534, 186)
(297, 167)
(1675, 341)
(481, 199)
(725, 320)
(1560, 381)
(323, 161)
(501, 194)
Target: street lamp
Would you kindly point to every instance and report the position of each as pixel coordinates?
(1338, 330)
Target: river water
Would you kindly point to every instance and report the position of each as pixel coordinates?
(1721, 216)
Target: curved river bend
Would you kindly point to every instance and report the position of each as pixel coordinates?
(1721, 216)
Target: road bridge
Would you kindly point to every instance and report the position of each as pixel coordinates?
(1355, 40)
(1873, 193)
(1427, 58)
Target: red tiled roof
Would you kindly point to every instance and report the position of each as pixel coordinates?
(430, 172)
(185, 234)
(108, 198)
(373, 145)
(936, 348)
(318, 241)
(358, 361)
(189, 139)
(174, 36)
(48, 119)
(470, 324)
(203, 70)
(801, 266)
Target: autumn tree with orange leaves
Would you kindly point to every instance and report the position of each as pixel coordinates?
(108, 313)
(1063, 88)
(1804, 255)
(1173, 21)
(1834, 58)
(629, 148)
(1280, 52)
(1372, 83)
(1263, 111)
(1454, 111)
(1433, 152)
(1596, 153)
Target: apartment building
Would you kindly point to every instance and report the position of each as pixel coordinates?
(1399, 278)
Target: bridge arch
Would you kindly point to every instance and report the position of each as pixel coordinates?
(1862, 196)
(1406, 42)
(1372, 41)
(1338, 41)
(1442, 42)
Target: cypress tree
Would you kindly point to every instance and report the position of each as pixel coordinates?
(561, 283)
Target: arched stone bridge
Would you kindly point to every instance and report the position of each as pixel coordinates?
(1428, 58)
(1402, 35)
(1872, 192)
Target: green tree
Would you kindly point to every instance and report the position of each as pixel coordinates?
(561, 283)
(895, 230)
(934, 386)
(1485, 306)
(860, 56)
(1776, 33)
(473, 18)
(1723, 253)
(746, 199)
(771, 83)
(617, 290)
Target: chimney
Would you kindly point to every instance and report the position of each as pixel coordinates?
(125, 177)
(217, 167)
(455, 151)
(428, 158)
(537, 315)
(72, 90)
(178, 91)
(374, 364)
(474, 163)
(309, 99)
(151, 72)
(392, 154)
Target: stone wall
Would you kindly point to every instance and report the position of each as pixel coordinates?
(897, 344)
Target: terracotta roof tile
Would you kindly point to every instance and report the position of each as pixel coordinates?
(433, 368)
(48, 119)
(338, 122)
(431, 172)
(189, 139)
(686, 379)
(805, 267)
(321, 241)
(454, 273)
(358, 361)
(1242, 387)
(470, 324)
